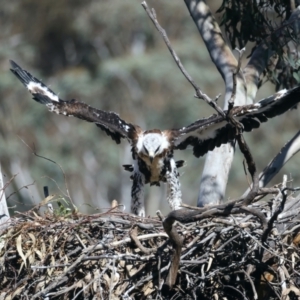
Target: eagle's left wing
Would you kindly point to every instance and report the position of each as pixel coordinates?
(206, 134)
(110, 122)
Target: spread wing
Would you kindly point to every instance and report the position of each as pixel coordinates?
(206, 134)
(110, 122)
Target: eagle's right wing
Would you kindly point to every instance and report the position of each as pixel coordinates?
(110, 122)
(206, 134)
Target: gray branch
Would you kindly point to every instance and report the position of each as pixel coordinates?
(218, 162)
(286, 153)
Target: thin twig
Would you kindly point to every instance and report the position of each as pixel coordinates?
(199, 93)
(252, 285)
(54, 162)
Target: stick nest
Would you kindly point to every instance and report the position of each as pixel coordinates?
(120, 256)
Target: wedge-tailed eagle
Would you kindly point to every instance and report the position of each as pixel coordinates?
(152, 150)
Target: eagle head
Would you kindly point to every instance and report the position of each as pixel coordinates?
(152, 144)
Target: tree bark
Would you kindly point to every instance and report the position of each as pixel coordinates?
(218, 162)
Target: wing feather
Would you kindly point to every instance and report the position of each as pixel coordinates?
(110, 122)
(206, 134)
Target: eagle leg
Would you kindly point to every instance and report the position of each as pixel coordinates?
(137, 194)
(174, 196)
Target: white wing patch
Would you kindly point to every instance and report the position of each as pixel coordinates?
(37, 88)
(54, 109)
(280, 94)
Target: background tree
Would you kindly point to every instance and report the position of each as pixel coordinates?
(94, 52)
(273, 27)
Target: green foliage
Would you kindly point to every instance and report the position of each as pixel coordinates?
(265, 21)
(63, 209)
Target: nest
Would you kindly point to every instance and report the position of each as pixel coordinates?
(248, 254)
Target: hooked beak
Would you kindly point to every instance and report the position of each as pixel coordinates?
(151, 157)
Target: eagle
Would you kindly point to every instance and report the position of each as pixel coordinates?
(153, 150)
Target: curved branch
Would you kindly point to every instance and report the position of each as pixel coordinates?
(219, 51)
(199, 93)
(286, 153)
(211, 34)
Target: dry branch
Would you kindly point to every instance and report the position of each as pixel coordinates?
(199, 93)
(290, 149)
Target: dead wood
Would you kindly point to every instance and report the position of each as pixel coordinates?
(120, 256)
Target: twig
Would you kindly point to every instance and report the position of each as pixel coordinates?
(258, 214)
(54, 162)
(127, 257)
(97, 278)
(235, 289)
(285, 154)
(273, 219)
(49, 267)
(227, 242)
(4, 186)
(252, 285)
(199, 93)
(176, 240)
(10, 180)
(251, 167)
(133, 235)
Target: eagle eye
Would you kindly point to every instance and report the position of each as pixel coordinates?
(146, 150)
(157, 149)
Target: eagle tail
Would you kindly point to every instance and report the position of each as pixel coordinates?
(41, 93)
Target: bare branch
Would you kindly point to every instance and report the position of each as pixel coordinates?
(252, 285)
(54, 162)
(133, 236)
(275, 216)
(286, 153)
(218, 162)
(219, 51)
(176, 240)
(199, 93)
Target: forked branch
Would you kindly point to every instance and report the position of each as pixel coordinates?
(199, 93)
